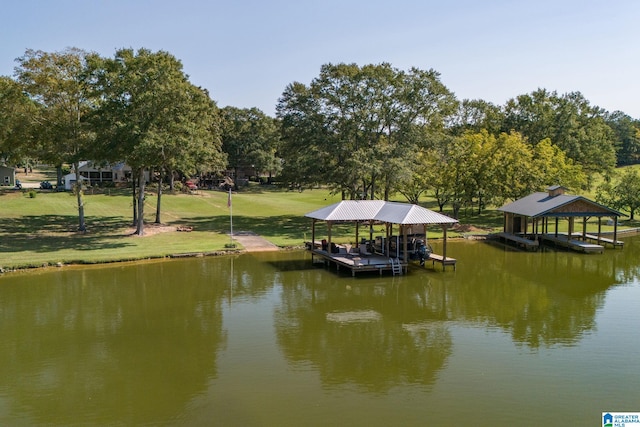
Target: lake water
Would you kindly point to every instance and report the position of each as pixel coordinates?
(510, 338)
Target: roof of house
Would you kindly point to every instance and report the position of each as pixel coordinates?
(542, 204)
(379, 210)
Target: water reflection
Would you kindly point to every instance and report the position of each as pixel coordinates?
(117, 343)
(375, 336)
(140, 343)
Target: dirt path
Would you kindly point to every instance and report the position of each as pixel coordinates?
(252, 242)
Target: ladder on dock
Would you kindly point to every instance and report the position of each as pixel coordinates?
(396, 266)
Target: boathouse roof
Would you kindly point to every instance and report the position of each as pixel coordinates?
(561, 205)
(379, 210)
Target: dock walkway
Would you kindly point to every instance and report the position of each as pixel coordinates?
(594, 238)
(576, 245)
(519, 240)
(444, 261)
(357, 262)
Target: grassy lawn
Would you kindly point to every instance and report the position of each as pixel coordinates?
(39, 230)
(42, 230)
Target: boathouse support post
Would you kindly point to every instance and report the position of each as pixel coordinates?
(370, 231)
(600, 230)
(584, 228)
(313, 234)
(329, 236)
(615, 230)
(405, 245)
(444, 244)
(571, 227)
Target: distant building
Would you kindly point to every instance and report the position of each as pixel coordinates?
(97, 174)
(7, 176)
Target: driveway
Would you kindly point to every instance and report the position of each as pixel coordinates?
(253, 242)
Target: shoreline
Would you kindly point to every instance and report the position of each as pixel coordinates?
(6, 270)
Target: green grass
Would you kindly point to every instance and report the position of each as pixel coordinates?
(42, 230)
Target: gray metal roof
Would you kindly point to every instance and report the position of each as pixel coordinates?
(541, 204)
(379, 210)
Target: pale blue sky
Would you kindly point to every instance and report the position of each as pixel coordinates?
(245, 52)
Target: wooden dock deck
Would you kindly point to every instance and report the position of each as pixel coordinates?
(444, 261)
(576, 245)
(358, 263)
(520, 241)
(605, 240)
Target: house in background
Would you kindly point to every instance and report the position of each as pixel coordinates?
(7, 176)
(97, 174)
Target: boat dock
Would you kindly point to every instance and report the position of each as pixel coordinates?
(600, 240)
(442, 260)
(519, 240)
(362, 262)
(572, 243)
(358, 263)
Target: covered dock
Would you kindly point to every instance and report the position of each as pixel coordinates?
(384, 253)
(527, 221)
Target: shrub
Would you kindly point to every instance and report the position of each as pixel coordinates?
(32, 193)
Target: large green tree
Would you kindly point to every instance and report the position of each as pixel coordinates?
(622, 193)
(19, 112)
(627, 137)
(152, 117)
(355, 125)
(57, 82)
(250, 139)
(569, 122)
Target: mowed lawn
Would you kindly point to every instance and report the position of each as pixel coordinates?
(40, 230)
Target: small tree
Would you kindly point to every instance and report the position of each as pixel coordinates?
(622, 195)
(57, 82)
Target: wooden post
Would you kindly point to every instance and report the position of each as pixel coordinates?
(329, 237)
(313, 234)
(600, 229)
(444, 244)
(584, 228)
(357, 229)
(405, 244)
(570, 231)
(370, 231)
(615, 230)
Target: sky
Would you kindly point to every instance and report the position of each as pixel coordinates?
(246, 52)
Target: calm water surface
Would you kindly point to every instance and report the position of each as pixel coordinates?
(510, 338)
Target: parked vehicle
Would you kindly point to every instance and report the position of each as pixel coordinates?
(191, 185)
(46, 185)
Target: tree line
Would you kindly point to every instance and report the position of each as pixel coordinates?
(366, 132)
(373, 131)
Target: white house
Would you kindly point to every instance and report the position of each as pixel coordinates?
(97, 174)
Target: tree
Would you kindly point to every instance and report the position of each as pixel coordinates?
(476, 115)
(357, 122)
(623, 194)
(552, 166)
(152, 117)
(18, 113)
(627, 137)
(250, 139)
(569, 122)
(57, 82)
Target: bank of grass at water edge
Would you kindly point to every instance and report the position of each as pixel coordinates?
(42, 230)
